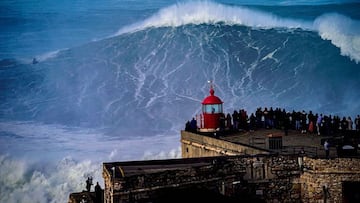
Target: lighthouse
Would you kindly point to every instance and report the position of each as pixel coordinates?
(212, 110)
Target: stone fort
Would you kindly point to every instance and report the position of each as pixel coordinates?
(264, 165)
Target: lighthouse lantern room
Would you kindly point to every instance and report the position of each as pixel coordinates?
(212, 110)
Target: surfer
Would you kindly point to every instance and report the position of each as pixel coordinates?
(35, 61)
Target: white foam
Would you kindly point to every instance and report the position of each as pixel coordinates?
(46, 145)
(21, 182)
(52, 179)
(48, 55)
(208, 12)
(342, 31)
(24, 180)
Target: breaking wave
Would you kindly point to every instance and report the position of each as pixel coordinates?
(23, 181)
(342, 31)
(28, 181)
(45, 163)
(207, 12)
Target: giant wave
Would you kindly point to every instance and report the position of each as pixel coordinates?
(156, 83)
(343, 31)
(130, 94)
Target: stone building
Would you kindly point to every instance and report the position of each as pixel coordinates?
(265, 165)
(296, 170)
(235, 167)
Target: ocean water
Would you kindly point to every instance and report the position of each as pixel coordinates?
(117, 80)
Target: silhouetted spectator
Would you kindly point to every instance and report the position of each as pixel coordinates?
(193, 125)
(318, 123)
(228, 121)
(222, 122)
(89, 183)
(350, 123)
(235, 117)
(344, 124)
(187, 126)
(286, 125)
(303, 122)
(252, 123)
(98, 193)
(357, 123)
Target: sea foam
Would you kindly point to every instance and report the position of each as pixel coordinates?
(23, 181)
(207, 12)
(342, 31)
(45, 163)
(26, 181)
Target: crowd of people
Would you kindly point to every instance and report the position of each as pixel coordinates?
(268, 118)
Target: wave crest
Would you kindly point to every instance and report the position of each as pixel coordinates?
(342, 31)
(207, 12)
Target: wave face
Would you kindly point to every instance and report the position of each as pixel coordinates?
(159, 81)
(127, 96)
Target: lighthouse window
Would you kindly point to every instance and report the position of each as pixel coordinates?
(212, 108)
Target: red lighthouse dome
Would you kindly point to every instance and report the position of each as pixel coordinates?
(212, 99)
(212, 110)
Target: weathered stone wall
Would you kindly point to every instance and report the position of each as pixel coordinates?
(194, 145)
(323, 178)
(144, 186)
(282, 179)
(273, 178)
(279, 181)
(108, 182)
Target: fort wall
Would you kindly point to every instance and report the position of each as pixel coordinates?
(195, 145)
(330, 179)
(312, 179)
(271, 178)
(234, 170)
(262, 177)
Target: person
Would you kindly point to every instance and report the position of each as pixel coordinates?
(187, 126)
(318, 124)
(222, 122)
(326, 148)
(301, 158)
(228, 121)
(98, 192)
(35, 61)
(311, 127)
(97, 187)
(252, 122)
(286, 125)
(88, 184)
(193, 125)
(357, 123)
(350, 123)
(344, 124)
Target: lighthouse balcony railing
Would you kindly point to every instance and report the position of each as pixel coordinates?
(200, 120)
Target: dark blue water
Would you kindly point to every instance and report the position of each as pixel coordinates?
(118, 80)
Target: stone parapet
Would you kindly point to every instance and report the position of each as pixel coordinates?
(195, 145)
(326, 179)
